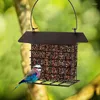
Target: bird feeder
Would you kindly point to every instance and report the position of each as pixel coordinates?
(56, 52)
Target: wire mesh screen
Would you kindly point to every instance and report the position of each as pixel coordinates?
(58, 61)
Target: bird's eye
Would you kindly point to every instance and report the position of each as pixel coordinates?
(35, 73)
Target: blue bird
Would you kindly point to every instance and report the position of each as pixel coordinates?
(32, 76)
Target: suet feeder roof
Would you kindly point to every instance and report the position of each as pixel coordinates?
(53, 37)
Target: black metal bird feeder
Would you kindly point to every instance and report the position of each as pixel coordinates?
(56, 52)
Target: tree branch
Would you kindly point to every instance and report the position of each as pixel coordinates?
(23, 11)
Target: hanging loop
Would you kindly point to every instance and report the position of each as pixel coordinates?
(32, 17)
(72, 8)
(75, 16)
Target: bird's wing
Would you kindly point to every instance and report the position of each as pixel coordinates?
(32, 78)
(31, 73)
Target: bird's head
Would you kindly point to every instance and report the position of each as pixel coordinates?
(37, 67)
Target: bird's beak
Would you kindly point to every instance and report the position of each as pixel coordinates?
(39, 70)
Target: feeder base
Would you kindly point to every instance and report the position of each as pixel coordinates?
(55, 83)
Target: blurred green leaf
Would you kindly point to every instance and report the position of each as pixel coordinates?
(50, 15)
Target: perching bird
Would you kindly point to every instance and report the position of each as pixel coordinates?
(32, 76)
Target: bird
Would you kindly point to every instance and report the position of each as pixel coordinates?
(31, 77)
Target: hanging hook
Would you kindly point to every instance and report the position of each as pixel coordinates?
(73, 10)
(75, 16)
(32, 17)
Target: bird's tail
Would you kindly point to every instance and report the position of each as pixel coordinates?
(16, 87)
(22, 81)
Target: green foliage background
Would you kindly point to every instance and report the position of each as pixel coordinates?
(56, 15)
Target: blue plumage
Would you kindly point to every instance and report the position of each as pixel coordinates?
(31, 77)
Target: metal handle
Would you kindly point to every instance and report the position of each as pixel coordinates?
(72, 8)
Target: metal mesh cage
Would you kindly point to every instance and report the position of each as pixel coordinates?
(58, 62)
